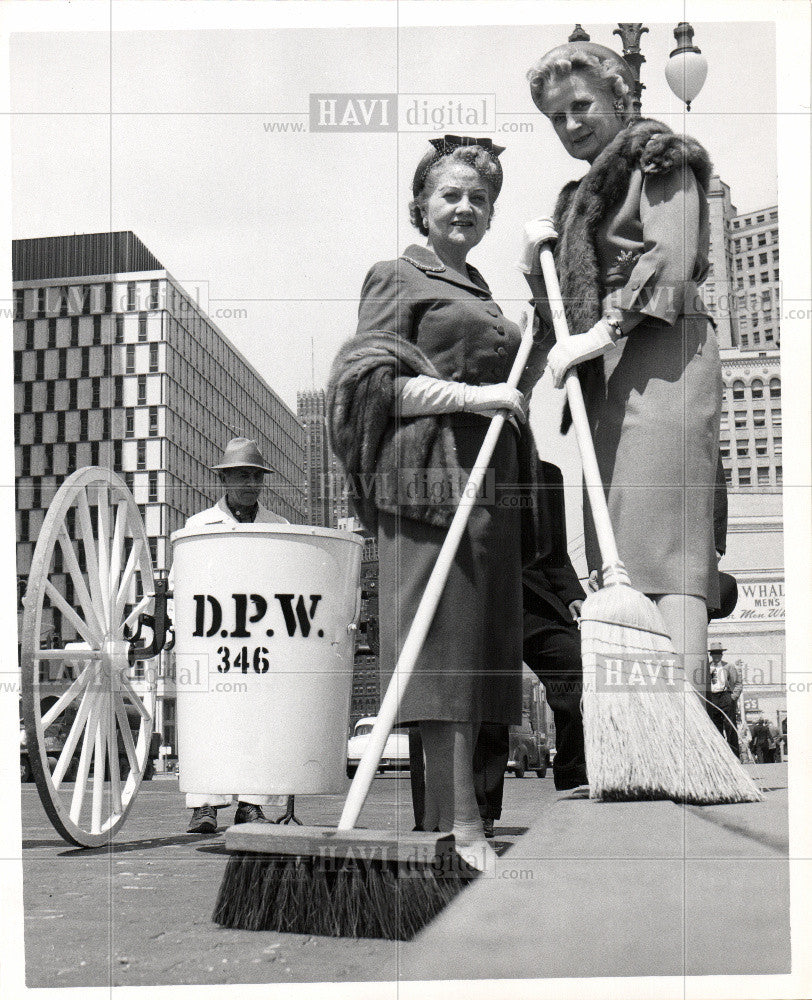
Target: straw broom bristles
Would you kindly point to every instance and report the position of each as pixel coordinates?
(647, 733)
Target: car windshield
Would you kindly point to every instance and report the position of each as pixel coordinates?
(363, 730)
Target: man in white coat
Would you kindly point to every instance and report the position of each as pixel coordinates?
(241, 471)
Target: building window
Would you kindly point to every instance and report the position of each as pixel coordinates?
(131, 304)
(71, 456)
(52, 333)
(29, 335)
(41, 302)
(779, 474)
(141, 460)
(738, 390)
(751, 261)
(740, 419)
(73, 392)
(762, 239)
(118, 392)
(83, 424)
(153, 487)
(142, 390)
(119, 329)
(776, 419)
(768, 335)
(757, 388)
(97, 333)
(25, 460)
(142, 327)
(117, 454)
(94, 452)
(763, 475)
(153, 357)
(129, 364)
(85, 372)
(778, 449)
(18, 303)
(744, 340)
(153, 421)
(39, 367)
(761, 446)
(105, 424)
(775, 388)
(50, 394)
(742, 449)
(153, 295)
(18, 367)
(744, 477)
(129, 422)
(724, 451)
(759, 418)
(95, 393)
(762, 258)
(756, 337)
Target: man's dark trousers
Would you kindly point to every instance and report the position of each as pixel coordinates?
(722, 710)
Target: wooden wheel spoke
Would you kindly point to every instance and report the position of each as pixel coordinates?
(66, 699)
(84, 758)
(103, 550)
(112, 755)
(142, 605)
(135, 698)
(100, 747)
(126, 732)
(87, 632)
(117, 551)
(89, 545)
(73, 738)
(71, 655)
(79, 585)
(126, 578)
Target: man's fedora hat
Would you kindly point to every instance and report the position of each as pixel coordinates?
(242, 453)
(715, 647)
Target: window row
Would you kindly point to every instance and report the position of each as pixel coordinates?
(87, 299)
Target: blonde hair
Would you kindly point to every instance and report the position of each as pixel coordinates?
(605, 71)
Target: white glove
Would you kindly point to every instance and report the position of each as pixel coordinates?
(536, 232)
(488, 399)
(584, 346)
(423, 395)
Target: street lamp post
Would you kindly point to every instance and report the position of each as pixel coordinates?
(685, 70)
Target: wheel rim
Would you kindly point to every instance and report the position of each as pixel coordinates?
(103, 550)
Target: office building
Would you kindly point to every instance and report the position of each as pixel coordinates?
(116, 365)
(326, 497)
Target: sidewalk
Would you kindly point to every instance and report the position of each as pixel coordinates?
(625, 889)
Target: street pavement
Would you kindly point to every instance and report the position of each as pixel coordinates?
(581, 889)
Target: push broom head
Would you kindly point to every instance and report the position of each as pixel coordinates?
(647, 732)
(338, 883)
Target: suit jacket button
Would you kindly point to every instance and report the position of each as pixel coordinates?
(501, 351)
(500, 330)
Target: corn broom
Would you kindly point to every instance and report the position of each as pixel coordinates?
(647, 734)
(344, 882)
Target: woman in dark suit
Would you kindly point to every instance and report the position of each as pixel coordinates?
(409, 403)
(633, 247)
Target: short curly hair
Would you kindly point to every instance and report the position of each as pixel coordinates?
(604, 71)
(474, 156)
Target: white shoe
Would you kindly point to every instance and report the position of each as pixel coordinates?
(475, 851)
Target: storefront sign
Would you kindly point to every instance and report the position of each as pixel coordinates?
(759, 602)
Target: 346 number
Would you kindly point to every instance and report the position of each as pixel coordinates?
(243, 660)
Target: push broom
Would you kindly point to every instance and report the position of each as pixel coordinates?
(647, 734)
(345, 882)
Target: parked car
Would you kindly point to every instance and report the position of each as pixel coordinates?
(395, 752)
(529, 751)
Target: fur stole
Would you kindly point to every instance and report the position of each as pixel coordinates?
(370, 443)
(405, 466)
(645, 144)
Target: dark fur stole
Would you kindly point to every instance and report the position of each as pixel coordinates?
(382, 454)
(645, 144)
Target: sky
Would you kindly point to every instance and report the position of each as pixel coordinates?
(178, 136)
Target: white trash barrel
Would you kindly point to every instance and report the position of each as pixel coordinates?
(264, 657)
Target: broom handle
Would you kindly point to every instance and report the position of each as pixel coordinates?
(613, 567)
(371, 757)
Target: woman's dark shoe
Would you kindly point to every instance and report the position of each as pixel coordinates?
(487, 826)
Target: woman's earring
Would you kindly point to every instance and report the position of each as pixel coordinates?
(425, 222)
(620, 109)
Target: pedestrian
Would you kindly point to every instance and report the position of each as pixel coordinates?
(241, 472)
(633, 246)
(760, 744)
(552, 599)
(409, 402)
(723, 697)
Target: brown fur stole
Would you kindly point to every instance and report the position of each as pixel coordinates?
(377, 450)
(645, 144)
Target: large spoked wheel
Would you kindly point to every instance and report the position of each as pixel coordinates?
(88, 714)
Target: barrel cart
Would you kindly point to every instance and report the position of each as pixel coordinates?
(264, 622)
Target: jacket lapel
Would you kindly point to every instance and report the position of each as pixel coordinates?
(427, 261)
